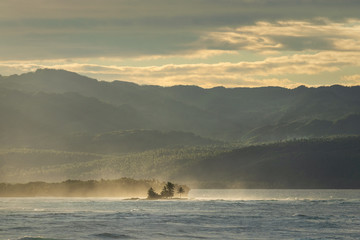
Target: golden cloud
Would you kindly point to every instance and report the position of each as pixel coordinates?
(271, 71)
(287, 35)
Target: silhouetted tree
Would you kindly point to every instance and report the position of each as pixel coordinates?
(168, 190)
(164, 193)
(180, 191)
(152, 194)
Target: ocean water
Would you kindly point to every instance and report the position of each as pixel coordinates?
(208, 214)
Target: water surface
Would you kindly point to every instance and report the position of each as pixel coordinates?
(209, 214)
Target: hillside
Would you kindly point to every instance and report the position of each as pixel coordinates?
(220, 113)
(24, 165)
(348, 125)
(70, 121)
(314, 163)
(131, 141)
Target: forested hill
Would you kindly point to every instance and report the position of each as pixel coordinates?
(313, 163)
(53, 102)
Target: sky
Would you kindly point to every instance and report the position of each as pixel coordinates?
(231, 43)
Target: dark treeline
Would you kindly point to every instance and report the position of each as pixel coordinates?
(124, 187)
(167, 192)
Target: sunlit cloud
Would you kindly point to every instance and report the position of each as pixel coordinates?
(351, 80)
(206, 43)
(273, 71)
(269, 37)
(42, 29)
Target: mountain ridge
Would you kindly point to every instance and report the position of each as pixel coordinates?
(221, 113)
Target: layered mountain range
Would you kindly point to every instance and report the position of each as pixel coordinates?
(57, 110)
(57, 102)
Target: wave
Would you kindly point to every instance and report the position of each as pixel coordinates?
(274, 194)
(298, 215)
(38, 238)
(112, 236)
(21, 228)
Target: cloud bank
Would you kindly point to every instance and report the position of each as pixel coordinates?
(202, 42)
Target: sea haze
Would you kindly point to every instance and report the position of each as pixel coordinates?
(208, 214)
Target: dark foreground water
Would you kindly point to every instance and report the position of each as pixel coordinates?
(209, 214)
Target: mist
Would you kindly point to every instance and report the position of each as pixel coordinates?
(119, 188)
